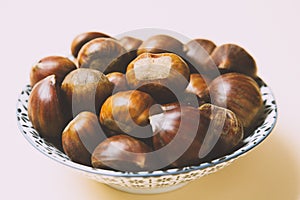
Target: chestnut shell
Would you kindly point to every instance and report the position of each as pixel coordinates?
(130, 43)
(161, 44)
(57, 65)
(119, 81)
(122, 153)
(81, 136)
(83, 38)
(126, 111)
(47, 108)
(197, 54)
(101, 54)
(191, 135)
(239, 93)
(234, 58)
(86, 90)
(198, 84)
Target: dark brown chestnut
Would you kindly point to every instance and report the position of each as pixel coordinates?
(234, 58)
(185, 135)
(239, 93)
(126, 111)
(161, 44)
(101, 54)
(122, 153)
(163, 76)
(47, 108)
(81, 136)
(119, 81)
(57, 65)
(231, 131)
(197, 52)
(83, 38)
(130, 43)
(86, 90)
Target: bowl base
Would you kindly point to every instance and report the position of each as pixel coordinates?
(148, 190)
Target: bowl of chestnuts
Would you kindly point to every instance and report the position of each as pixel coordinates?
(146, 114)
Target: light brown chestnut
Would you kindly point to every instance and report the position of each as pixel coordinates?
(57, 65)
(83, 38)
(122, 153)
(47, 108)
(234, 58)
(163, 76)
(102, 54)
(239, 93)
(81, 136)
(187, 135)
(119, 81)
(198, 84)
(131, 44)
(197, 52)
(86, 90)
(161, 44)
(126, 111)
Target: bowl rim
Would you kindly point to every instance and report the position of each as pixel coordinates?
(172, 171)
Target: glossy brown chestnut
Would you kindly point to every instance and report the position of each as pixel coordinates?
(83, 38)
(188, 134)
(239, 93)
(224, 121)
(122, 153)
(119, 81)
(163, 76)
(234, 58)
(47, 108)
(101, 54)
(161, 44)
(86, 90)
(126, 111)
(197, 52)
(198, 84)
(57, 65)
(130, 43)
(81, 136)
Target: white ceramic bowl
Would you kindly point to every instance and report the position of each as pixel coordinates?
(156, 181)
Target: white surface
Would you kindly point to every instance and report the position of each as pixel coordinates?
(269, 30)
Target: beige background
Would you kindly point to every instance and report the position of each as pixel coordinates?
(269, 30)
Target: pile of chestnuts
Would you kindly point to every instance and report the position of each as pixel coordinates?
(132, 105)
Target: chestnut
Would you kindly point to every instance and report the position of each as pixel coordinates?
(86, 90)
(197, 52)
(119, 81)
(161, 44)
(198, 84)
(130, 43)
(101, 54)
(126, 111)
(239, 93)
(81, 136)
(214, 119)
(234, 58)
(185, 99)
(184, 136)
(122, 153)
(163, 76)
(57, 65)
(83, 38)
(192, 46)
(47, 108)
